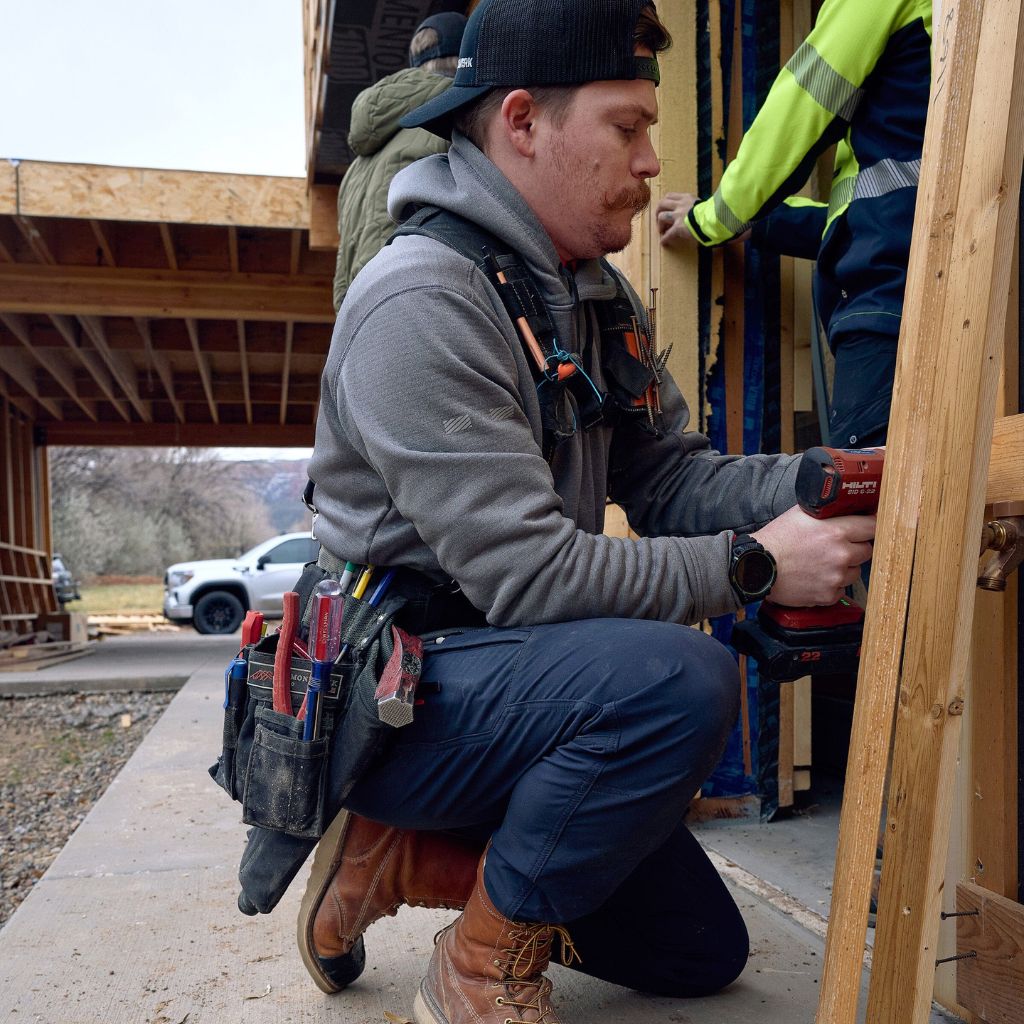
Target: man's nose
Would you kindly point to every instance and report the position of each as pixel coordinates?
(647, 164)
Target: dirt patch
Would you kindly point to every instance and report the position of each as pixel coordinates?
(57, 756)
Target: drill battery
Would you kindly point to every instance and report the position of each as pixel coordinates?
(788, 643)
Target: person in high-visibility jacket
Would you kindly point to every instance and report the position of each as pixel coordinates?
(861, 80)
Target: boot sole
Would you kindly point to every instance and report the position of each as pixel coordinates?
(326, 859)
(423, 1012)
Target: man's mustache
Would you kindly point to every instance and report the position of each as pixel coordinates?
(635, 199)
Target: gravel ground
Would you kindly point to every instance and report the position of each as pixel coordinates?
(57, 756)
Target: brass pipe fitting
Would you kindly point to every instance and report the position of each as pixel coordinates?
(1004, 536)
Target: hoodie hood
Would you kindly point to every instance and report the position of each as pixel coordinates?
(465, 182)
(376, 110)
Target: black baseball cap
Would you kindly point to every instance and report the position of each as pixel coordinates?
(536, 43)
(449, 26)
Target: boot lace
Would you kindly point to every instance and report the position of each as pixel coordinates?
(527, 947)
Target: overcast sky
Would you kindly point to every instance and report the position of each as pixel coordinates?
(204, 85)
(198, 85)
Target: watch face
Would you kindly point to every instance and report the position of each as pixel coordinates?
(754, 572)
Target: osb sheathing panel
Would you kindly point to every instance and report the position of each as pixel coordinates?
(8, 187)
(141, 194)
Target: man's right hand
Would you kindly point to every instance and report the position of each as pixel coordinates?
(816, 559)
(670, 215)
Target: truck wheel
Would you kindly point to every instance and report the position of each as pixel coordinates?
(217, 612)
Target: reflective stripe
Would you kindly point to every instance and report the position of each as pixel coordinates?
(817, 77)
(842, 194)
(727, 218)
(877, 180)
(887, 176)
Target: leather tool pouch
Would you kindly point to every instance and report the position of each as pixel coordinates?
(288, 784)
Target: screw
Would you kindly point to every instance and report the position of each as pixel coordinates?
(960, 956)
(959, 913)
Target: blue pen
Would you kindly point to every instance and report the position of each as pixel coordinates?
(324, 641)
(237, 669)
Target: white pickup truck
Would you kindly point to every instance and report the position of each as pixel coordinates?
(214, 594)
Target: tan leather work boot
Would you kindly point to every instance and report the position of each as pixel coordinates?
(487, 969)
(363, 870)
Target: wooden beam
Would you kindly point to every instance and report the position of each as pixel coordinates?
(162, 365)
(203, 363)
(291, 435)
(54, 366)
(102, 243)
(295, 258)
(118, 364)
(919, 615)
(244, 371)
(1005, 479)
(36, 242)
(169, 251)
(70, 330)
(286, 369)
(87, 191)
(233, 249)
(103, 291)
(991, 981)
(21, 369)
(323, 218)
(24, 405)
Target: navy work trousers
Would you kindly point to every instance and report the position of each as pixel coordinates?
(862, 389)
(576, 747)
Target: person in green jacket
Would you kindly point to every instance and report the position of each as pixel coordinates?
(383, 147)
(860, 80)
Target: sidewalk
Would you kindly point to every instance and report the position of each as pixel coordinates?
(146, 661)
(135, 921)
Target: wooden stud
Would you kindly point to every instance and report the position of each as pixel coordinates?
(48, 360)
(21, 369)
(203, 363)
(786, 740)
(168, 242)
(160, 362)
(990, 938)
(244, 370)
(286, 368)
(71, 330)
(102, 243)
(120, 367)
(1005, 481)
(923, 580)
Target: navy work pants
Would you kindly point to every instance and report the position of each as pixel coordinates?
(576, 747)
(862, 389)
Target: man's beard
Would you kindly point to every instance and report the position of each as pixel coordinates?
(610, 238)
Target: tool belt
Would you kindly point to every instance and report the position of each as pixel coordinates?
(294, 785)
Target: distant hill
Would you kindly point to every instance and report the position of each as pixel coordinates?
(279, 485)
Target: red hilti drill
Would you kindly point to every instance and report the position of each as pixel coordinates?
(791, 642)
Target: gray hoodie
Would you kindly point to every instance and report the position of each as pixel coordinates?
(428, 441)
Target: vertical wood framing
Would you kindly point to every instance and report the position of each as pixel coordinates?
(919, 616)
(644, 261)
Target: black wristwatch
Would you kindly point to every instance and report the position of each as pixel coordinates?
(752, 569)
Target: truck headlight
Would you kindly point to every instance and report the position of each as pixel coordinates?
(176, 579)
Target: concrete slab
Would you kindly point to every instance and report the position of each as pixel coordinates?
(146, 661)
(135, 921)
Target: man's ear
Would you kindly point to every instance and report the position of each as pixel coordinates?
(518, 117)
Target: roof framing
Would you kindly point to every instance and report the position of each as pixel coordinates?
(172, 305)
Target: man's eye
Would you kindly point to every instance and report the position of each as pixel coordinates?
(628, 130)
